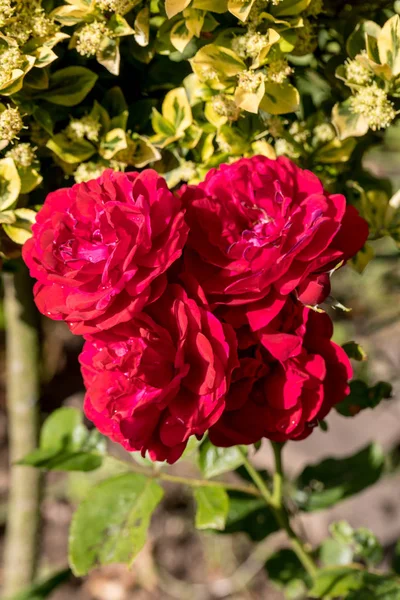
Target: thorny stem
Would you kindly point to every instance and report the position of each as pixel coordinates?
(275, 502)
(22, 375)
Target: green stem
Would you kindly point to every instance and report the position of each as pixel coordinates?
(247, 489)
(275, 502)
(277, 496)
(22, 378)
(190, 481)
(256, 477)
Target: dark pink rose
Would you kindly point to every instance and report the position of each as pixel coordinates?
(162, 377)
(261, 229)
(100, 249)
(287, 381)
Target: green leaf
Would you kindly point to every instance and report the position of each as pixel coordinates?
(240, 9)
(173, 7)
(332, 480)
(70, 151)
(114, 141)
(20, 229)
(362, 397)
(44, 119)
(37, 79)
(66, 444)
(251, 516)
(361, 260)
(165, 132)
(250, 101)
(212, 507)
(14, 83)
(280, 98)
(336, 151)
(356, 42)
(223, 60)
(30, 179)
(176, 110)
(140, 152)
(44, 57)
(289, 8)
(70, 15)
(63, 424)
(109, 55)
(100, 114)
(396, 559)
(119, 26)
(334, 553)
(217, 6)
(111, 525)
(215, 461)
(114, 102)
(142, 27)
(367, 547)
(43, 589)
(10, 183)
(284, 568)
(355, 351)
(69, 86)
(347, 123)
(358, 583)
(389, 44)
(180, 36)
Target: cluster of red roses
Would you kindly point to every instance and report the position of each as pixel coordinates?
(193, 305)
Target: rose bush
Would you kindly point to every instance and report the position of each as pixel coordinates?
(162, 377)
(261, 229)
(100, 249)
(211, 337)
(291, 374)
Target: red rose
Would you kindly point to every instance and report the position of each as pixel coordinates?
(260, 229)
(286, 382)
(162, 377)
(99, 249)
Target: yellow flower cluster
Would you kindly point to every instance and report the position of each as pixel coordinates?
(86, 127)
(249, 45)
(225, 107)
(10, 59)
(22, 154)
(250, 81)
(10, 124)
(90, 37)
(357, 73)
(278, 70)
(373, 104)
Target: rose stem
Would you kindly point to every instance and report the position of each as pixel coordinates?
(22, 381)
(275, 501)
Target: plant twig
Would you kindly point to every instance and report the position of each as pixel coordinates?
(22, 373)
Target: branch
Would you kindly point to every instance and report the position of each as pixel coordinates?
(22, 375)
